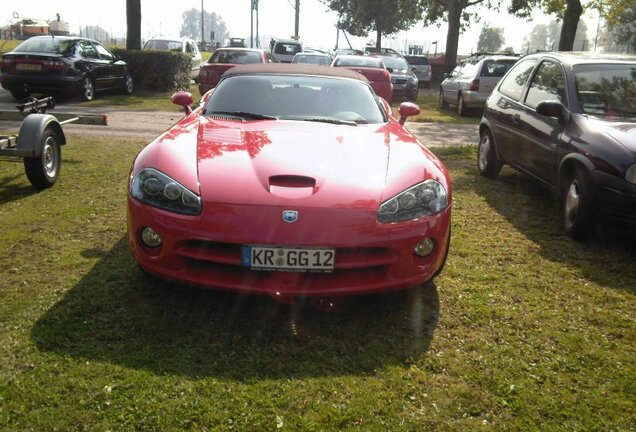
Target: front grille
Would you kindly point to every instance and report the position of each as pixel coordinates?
(399, 81)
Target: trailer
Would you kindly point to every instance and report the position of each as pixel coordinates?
(40, 138)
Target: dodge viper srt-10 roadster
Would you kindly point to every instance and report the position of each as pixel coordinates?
(290, 181)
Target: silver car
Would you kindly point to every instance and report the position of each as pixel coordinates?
(471, 82)
(185, 45)
(421, 68)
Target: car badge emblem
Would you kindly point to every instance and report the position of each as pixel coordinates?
(290, 216)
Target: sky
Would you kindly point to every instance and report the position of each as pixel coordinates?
(276, 18)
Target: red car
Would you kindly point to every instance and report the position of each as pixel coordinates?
(371, 67)
(290, 180)
(225, 58)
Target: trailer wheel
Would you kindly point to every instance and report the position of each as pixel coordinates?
(43, 171)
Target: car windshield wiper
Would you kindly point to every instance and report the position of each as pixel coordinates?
(330, 120)
(243, 114)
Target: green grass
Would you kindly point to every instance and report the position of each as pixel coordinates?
(140, 100)
(524, 330)
(430, 112)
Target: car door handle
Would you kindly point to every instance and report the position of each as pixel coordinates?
(516, 118)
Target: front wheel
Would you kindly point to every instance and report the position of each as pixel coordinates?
(87, 89)
(578, 206)
(488, 162)
(128, 84)
(43, 171)
(442, 102)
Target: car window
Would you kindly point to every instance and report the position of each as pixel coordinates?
(496, 68)
(236, 57)
(512, 84)
(287, 48)
(164, 45)
(359, 61)
(547, 83)
(417, 61)
(269, 57)
(312, 59)
(606, 89)
(189, 48)
(296, 98)
(469, 70)
(87, 50)
(395, 63)
(104, 53)
(45, 45)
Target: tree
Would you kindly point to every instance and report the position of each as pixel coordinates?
(133, 24)
(568, 11)
(454, 12)
(359, 17)
(545, 37)
(191, 25)
(620, 16)
(490, 39)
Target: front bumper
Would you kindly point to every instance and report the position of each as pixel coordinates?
(206, 250)
(37, 84)
(616, 203)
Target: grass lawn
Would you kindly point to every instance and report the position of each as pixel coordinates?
(524, 330)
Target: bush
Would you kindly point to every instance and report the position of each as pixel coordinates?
(160, 71)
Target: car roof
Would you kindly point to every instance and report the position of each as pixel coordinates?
(294, 69)
(258, 50)
(288, 41)
(61, 38)
(580, 57)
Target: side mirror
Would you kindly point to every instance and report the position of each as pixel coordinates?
(554, 108)
(445, 75)
(413, 68)
(390, 70)
(183, 99)
(407, 109)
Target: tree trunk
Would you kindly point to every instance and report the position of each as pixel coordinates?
(133, 24)
(571, 18)
(452, 37)
(378, 36)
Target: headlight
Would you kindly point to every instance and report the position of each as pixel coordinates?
(158, 190)
(413, 80)
(423, 199)
(630, 175)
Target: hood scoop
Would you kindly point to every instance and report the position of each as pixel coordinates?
(292, 186)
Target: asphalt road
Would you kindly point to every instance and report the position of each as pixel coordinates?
(149, 124)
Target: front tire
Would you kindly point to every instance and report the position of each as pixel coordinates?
(87, 89)
(442, 102)
(128, 84)
(43, 171)
(578, 206)
(488, 162)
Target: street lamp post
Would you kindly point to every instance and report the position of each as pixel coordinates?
(202, 30)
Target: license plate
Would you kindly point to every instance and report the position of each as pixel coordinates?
(28, 67)
(288, 259)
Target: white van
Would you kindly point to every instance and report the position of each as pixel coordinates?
(184, 45)
(284, 50)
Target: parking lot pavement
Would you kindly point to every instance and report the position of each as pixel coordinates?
(444, 134)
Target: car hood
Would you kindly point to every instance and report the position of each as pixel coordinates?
(622, 132)
(272, 162)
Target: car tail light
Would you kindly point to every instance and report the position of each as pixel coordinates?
(386, 75)
(54, 65)
(474, 86)
(7, 63)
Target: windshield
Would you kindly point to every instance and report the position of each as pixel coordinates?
(236, 57)
(606, 90)
(293, 97)
(312, 59)
(164, 45)
(395, 63)
(496, 68)
(359, 61)
(45, 45)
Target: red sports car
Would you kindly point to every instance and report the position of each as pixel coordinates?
(225, 58)
(290, 180)
(373, 69)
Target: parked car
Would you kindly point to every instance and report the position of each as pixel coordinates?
(284, 50)
(185, 46)
(347, 51)
(63, 65)
(568, 120)
(472, 80)
(225, 58)
(421, 67)
(290, 180)
(373, 69)
(313, 58)
(405, 83)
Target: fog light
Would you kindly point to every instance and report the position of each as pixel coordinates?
(424, 247)
(150, 237)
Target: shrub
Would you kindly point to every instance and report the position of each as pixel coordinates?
(160, 71)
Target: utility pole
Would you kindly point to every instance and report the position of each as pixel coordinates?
(202, 31)
(297, 19)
